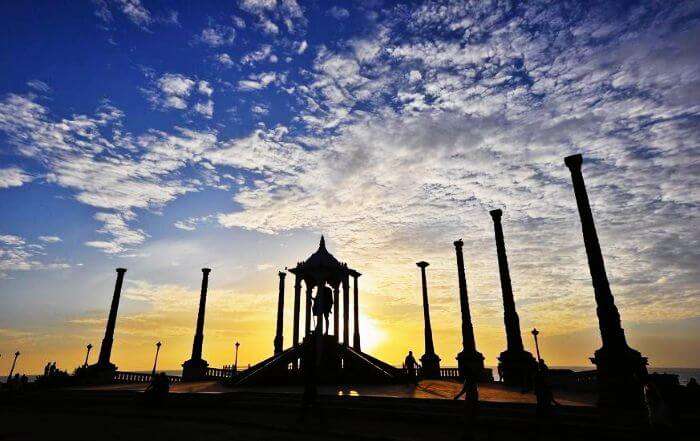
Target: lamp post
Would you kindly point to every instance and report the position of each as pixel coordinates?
(535, 333)
(235, 362)
(155, 362)
(87, 356)
(12, 369)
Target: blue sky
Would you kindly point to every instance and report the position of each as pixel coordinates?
(166, 136)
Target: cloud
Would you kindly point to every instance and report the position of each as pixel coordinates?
(132, 9)
(338, 13)
(257, 82)
(16, 254)
(302, 47)
(176, 91)
(259, 55)
(224, 60)
(39, 86)
(13, 177)
(50, 239)
(217, 36)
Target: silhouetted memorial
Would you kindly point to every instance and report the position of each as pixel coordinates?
(280, 313)
(104, 370)
(196, 368)
(339, 361)
(430, 361)
(470, 361)
(516, 364)
(619, 367)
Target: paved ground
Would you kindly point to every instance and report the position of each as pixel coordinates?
(435, 389)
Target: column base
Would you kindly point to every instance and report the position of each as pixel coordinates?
(472, 363)
(194, 370)
(98, 373)
(278, 344)
(430, 364)
(620, 373)
(517, 368)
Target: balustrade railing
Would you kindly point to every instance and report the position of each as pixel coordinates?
(139, 377)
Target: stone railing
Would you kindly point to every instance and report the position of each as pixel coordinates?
(216, 373)
(139, 377)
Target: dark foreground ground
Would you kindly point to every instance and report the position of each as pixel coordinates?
(126, 415)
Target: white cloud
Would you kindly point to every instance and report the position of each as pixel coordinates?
(259, 109)
(50, 239)
(258, 55)
(217, 36)
(257, 82)
(10, 239)
(18, 255)
(13, 177)
(225, 60)
(302, 47)
(257, 6)
(339, 13)
(205, 88)
(205, 108)
(135, 11)
(175, 84)
(39, 86)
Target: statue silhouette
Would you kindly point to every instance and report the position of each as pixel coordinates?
(323, 307)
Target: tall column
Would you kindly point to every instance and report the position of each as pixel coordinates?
(307, 308)
(469, 361)
(195, 368)
(297, 301)
(346, 310)
(356, 305)
(619, 366)
(430, 361)
(280, 314)
(516, 365)
(108, 340)
(336, 312)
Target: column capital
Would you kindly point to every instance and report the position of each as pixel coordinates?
(282, 274)
(121, 270)
(422, 264)
(458, 243)
(496, 215)
(206, 270)
(574, 162)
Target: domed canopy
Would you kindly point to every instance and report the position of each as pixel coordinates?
(322, 265)
(322, 258)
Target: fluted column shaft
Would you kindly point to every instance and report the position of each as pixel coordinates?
(346, 310)
(611, 330)
(356, 305)
(468, 341)
(199, 333)
(429, 347)
(108, 340)
(297, 306)
(280, 314)
(307, 308)
(336, 312)
(510, 315)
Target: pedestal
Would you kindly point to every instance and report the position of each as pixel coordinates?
(99, 373)
(472, 364)
(194, 370)
(620, 371)
(430, 364)
(517, 368)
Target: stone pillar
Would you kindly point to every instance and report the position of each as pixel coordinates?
(430, 361)
(307, 308)
(336, 312)
(516, 365)
(346, 310)
(108, 340)
(297, 306)
(356, 304)
(196, 368)
(469, 361)
(619, 366)
(280, 315)
(320, 298)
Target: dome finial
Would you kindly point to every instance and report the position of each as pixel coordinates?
(322, 244)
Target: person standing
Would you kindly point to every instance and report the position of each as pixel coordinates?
(410, 364)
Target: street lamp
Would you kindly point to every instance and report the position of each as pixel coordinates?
(155, 362)
(235, 363)
(87, 356)
(535, 333)
(12, 369)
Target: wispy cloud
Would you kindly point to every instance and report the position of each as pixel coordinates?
(13, 177)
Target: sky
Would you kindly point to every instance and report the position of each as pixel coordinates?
(164, 137)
